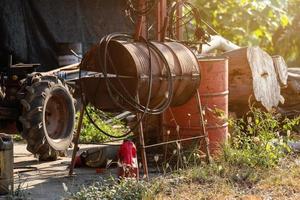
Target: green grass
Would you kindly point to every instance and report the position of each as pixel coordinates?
(17, 138)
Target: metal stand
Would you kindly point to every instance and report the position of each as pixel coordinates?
(202, 121)
(142, 143)
(141, 138)
(75, 149)
(201, 136)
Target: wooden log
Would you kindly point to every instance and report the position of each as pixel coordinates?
(281, 69)
(252, 73)
(291, 94)
(293, 70)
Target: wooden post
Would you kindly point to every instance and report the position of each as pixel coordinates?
(75, 149)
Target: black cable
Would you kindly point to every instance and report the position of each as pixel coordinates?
(85, 105)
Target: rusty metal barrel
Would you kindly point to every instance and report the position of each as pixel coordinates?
(185, 120)
(6, 164)
(128, 67)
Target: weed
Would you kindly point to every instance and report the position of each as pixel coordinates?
(90, 134)
(125, 189)
(17, 138)
(257, 145)
(260, 141)
(255, 151)
(19, 193)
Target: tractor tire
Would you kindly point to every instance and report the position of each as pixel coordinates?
(48, 117)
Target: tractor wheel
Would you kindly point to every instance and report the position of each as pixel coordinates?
(48, 117)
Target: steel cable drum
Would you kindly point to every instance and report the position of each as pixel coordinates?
(130, 62)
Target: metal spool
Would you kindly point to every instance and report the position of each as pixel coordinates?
(214, 97)
(6, 164)
(131, 62)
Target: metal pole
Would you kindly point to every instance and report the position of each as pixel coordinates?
(174, 141)
(141, 25)
(179, 23)
(142, 143)
(75, 149)
(203, 127)
(161, 14)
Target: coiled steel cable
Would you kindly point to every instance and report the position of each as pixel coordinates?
(129, 99)
(134, 104)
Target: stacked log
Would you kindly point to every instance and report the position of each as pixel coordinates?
(291, 94)
(281, 70)
(253, 77)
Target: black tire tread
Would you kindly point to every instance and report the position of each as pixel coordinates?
(36, 142)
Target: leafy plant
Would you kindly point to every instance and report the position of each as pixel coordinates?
(90, 134)
(17, 138)
(260, 140)
(270, 24)
(124, 189)
(286, 39)
(245, 22)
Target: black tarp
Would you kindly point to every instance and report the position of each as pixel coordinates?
(31, 29)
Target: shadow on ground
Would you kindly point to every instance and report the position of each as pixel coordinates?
(50, 180)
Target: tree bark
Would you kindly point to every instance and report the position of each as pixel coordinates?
(281, 69)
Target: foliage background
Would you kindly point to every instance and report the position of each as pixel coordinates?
(274, 25)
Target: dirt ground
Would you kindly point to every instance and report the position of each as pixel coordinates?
(45, 180)
(50, 180)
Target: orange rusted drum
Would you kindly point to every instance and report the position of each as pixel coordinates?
(214, 97)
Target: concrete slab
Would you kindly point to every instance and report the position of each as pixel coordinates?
(45, 180)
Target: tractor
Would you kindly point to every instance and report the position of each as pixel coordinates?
(38, 106)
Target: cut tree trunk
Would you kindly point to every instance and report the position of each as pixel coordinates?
(281, 69)
(252, 74)
(291, 94)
